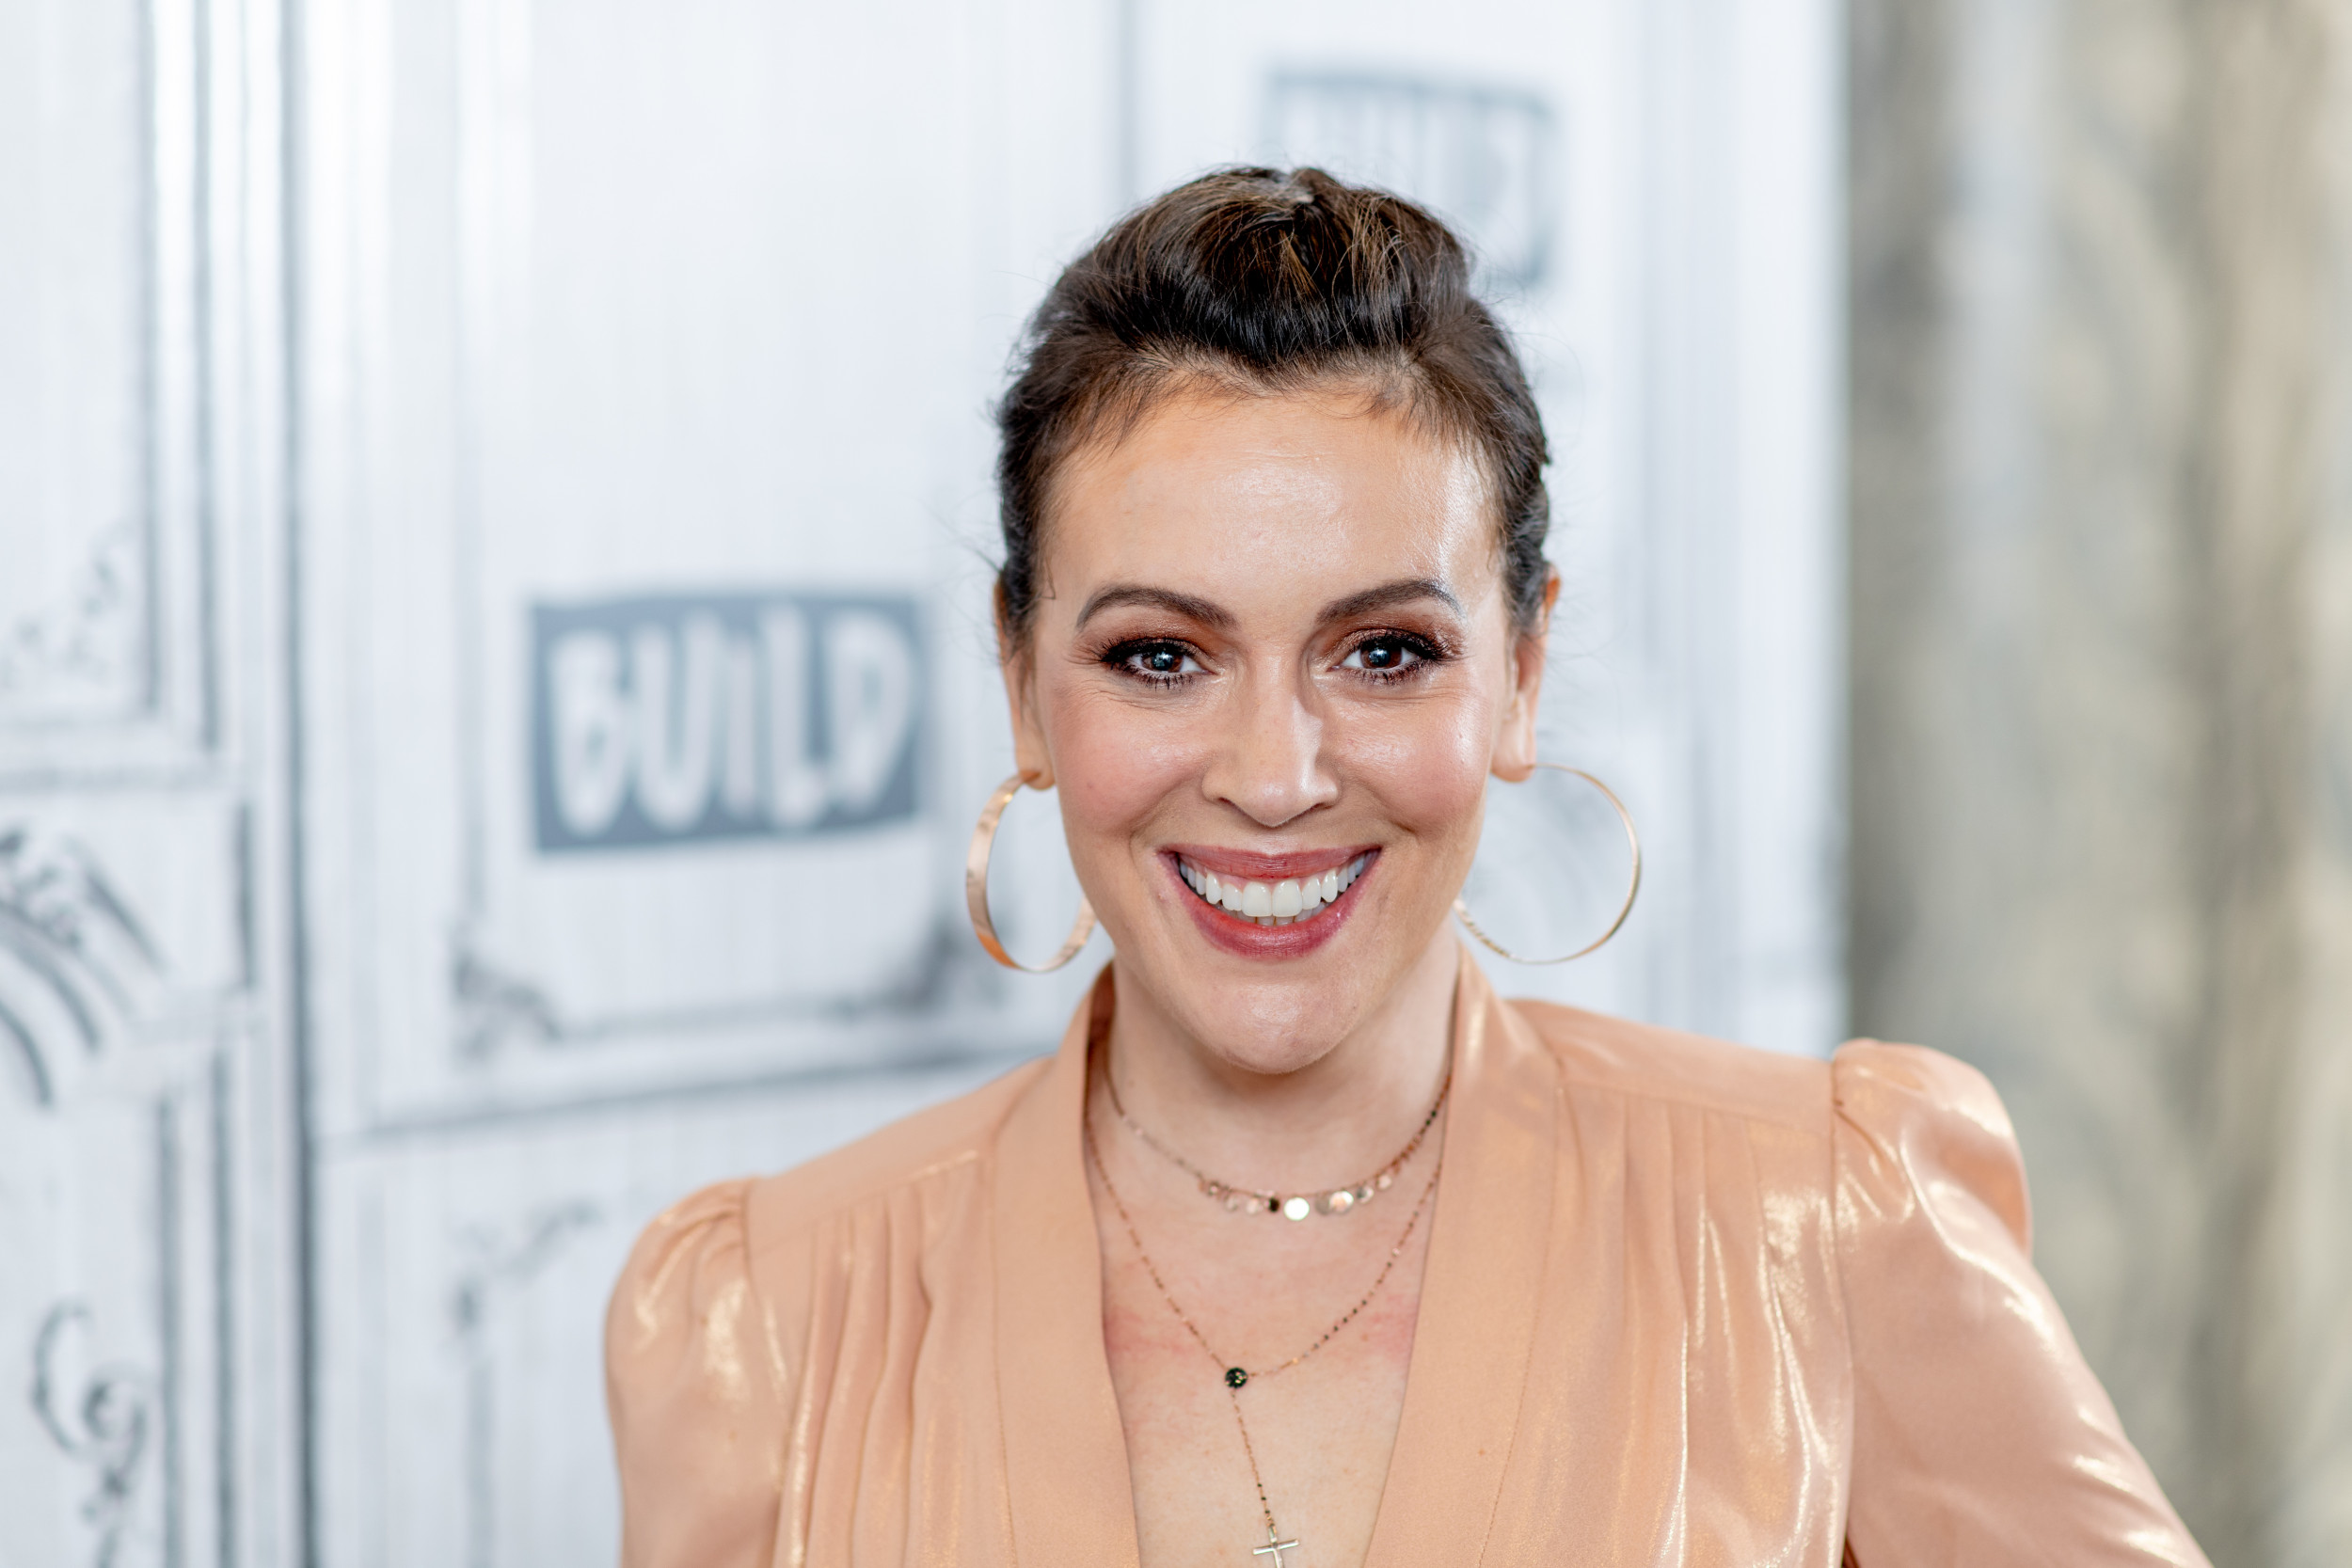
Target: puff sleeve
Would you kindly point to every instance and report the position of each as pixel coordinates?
(696, 1380)
(1979, 1434)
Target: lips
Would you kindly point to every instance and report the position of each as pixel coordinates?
(1270, 907)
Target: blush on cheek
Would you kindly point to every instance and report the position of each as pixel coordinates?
(1112, 785)
(1430, 776)
(1113, 776)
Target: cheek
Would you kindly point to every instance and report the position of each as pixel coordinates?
(1114, 764)
(1428, 764)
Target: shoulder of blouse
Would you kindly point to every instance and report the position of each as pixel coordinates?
(710, 1319)
(1648, 1062)
(1901, 1127)
(694, 1261)
(1909, 1119)
(1979, 1433)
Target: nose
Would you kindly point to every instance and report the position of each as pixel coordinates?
(1268, 759)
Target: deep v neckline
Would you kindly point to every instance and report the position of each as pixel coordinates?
(1067, 1475)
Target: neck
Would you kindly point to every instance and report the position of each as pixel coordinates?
(1335, 1120)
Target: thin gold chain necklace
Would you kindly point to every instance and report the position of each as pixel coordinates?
(1292, 1206)
(1237, 1377)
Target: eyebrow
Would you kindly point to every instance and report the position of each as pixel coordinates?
(1188, 605)
(1403, 591)
(1388, 594)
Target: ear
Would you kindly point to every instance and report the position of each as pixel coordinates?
(1514, 739)
(1018, 662)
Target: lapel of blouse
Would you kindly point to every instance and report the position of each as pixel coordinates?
(1476, 1327)
(1071, 1498)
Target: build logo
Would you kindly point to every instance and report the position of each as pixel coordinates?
(682, 717)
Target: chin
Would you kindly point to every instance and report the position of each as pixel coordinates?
(1275, 1029)
(1266, 1023)
(1252, 1034)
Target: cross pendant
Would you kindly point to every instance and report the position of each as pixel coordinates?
(1273, 1547)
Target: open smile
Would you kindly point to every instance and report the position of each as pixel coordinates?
(1283, 901)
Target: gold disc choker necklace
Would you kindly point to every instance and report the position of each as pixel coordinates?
(1235, 1377)
(1291, 1206)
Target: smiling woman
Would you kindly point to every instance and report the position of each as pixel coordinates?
(1306, 1249)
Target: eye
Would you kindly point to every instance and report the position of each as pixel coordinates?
(1390, 655)
(1161, 663)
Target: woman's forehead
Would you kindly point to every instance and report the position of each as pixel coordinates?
(1245, 498)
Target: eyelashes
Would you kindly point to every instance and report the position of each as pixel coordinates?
(1156, 661)
(1388, 656)
(1379, 658)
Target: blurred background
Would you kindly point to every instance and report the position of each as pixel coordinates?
(495, 677)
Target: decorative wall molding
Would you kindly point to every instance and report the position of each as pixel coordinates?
(499, 1264)
(109, 668)
(75, 962)
(142, 837)
(85, 653)
(103, 1423)
(494, 1010)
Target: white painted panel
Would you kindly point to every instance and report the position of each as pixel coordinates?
(74, 291)
(467, 1272)
(130, 985)
(652, 464)
(108, 595)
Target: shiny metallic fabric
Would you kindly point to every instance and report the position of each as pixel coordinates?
(1685, 1304)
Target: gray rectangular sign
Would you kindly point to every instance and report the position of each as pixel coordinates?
(676, 718)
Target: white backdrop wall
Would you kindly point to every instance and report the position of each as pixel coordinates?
(494, 673)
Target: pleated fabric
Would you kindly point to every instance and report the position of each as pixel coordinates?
(1685, 1304)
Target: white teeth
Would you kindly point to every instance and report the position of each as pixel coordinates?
(1278, 904)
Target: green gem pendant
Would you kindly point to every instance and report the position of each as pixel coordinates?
(1235, 1377)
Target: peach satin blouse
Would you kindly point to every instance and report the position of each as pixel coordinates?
(1685, 1304)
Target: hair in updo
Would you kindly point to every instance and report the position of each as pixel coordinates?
(1255, 281)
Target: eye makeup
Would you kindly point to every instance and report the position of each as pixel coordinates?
(1165, 662)
(1387, 657)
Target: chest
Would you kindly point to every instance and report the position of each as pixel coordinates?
(1323, 1321)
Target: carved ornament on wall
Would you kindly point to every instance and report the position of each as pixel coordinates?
(86, 650)
(74, 960)
(497, 1264)
(104, 1424)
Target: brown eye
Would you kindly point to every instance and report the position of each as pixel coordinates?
(1163, 662)
(1388, 656)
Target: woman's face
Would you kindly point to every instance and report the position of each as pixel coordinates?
(1271, 664)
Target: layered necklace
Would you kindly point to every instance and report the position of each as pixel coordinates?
(1291, 1206)
(1235, 1376)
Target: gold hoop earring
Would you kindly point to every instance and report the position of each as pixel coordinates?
(1633, 888)
(976, 888)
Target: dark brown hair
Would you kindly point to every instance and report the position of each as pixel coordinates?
(1260, 282)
